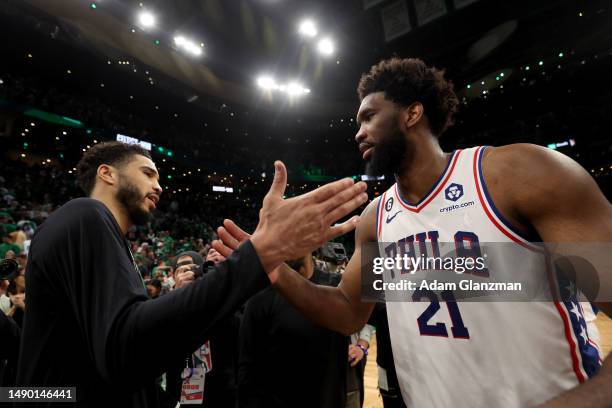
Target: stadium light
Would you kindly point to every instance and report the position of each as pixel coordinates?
(146, 19)
(326, 46)
(308, 28)
(266, 82)
(188, 45)
(295, 89)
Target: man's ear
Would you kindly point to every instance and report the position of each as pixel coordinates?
(412, 114)
(108, 174)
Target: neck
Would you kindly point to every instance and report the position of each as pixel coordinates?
(425, 164)
(117, 209)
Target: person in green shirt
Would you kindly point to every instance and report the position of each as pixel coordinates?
(7, 242)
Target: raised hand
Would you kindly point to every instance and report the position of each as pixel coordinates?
(291, 228)
(230, 237)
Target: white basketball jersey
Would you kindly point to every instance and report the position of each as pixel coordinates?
(480, 354)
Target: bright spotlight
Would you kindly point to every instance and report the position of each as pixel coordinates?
(326, 46)
(146, 19)
(291, 89)
(188, 45)
(192, 48)
(266, 82)
(294, 89)
(308, 28)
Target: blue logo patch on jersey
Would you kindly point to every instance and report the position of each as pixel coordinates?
(389, 204)
(453, 192)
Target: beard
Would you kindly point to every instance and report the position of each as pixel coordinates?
(389, 155)
(131, 198)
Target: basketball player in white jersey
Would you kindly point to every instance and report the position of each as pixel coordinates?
(465, 354)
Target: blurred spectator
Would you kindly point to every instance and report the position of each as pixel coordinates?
(10, 334)
(16, 292)
(154, 288)
(388, 384)
(8, 243)
(5, 301)
(357, 357)
(275, 340)
(220, 383)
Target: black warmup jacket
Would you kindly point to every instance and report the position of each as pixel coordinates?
(89, 323)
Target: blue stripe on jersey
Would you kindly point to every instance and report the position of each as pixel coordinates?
(588, 352)
(531, 238)
(434, 186)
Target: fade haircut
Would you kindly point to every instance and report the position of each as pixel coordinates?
(409, 80)
(114, 154)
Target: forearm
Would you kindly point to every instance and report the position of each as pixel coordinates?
(595, 393)
(324, 305)
(184, 317)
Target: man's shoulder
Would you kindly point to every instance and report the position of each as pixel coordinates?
(517, 156)
(525, 166)
(77, 209)
(78, 214)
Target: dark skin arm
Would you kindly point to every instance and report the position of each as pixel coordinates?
(337, 308)
(560, 200)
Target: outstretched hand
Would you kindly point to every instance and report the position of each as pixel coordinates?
(291, 228)
(230, 238)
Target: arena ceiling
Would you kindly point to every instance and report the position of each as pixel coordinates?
(244, 38)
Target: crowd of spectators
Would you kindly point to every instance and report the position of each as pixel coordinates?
(29, 194)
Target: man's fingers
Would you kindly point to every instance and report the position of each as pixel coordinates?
(236, 231)
(342, 197)
(341, 229)
(277, 190)
(187, 276)
(184, 268)
(221, 248)
(345, 209)
(330, 190)
(227, 238)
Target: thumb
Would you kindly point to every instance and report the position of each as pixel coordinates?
(280, 180)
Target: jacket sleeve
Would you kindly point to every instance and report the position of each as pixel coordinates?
(131, 338)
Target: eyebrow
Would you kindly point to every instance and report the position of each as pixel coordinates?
(150, 169)
(363, 113)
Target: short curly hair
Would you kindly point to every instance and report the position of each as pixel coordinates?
(409, 80)
(110, 153)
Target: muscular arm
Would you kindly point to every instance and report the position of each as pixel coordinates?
(340, 308)
(557, 197)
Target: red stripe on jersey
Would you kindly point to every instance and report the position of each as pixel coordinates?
(418, 208)
(486, 208)
(570, 340)
(564, 317)
(381, 209)
(553, 285)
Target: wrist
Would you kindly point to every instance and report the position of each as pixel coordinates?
(269, 254)
(364, 349)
